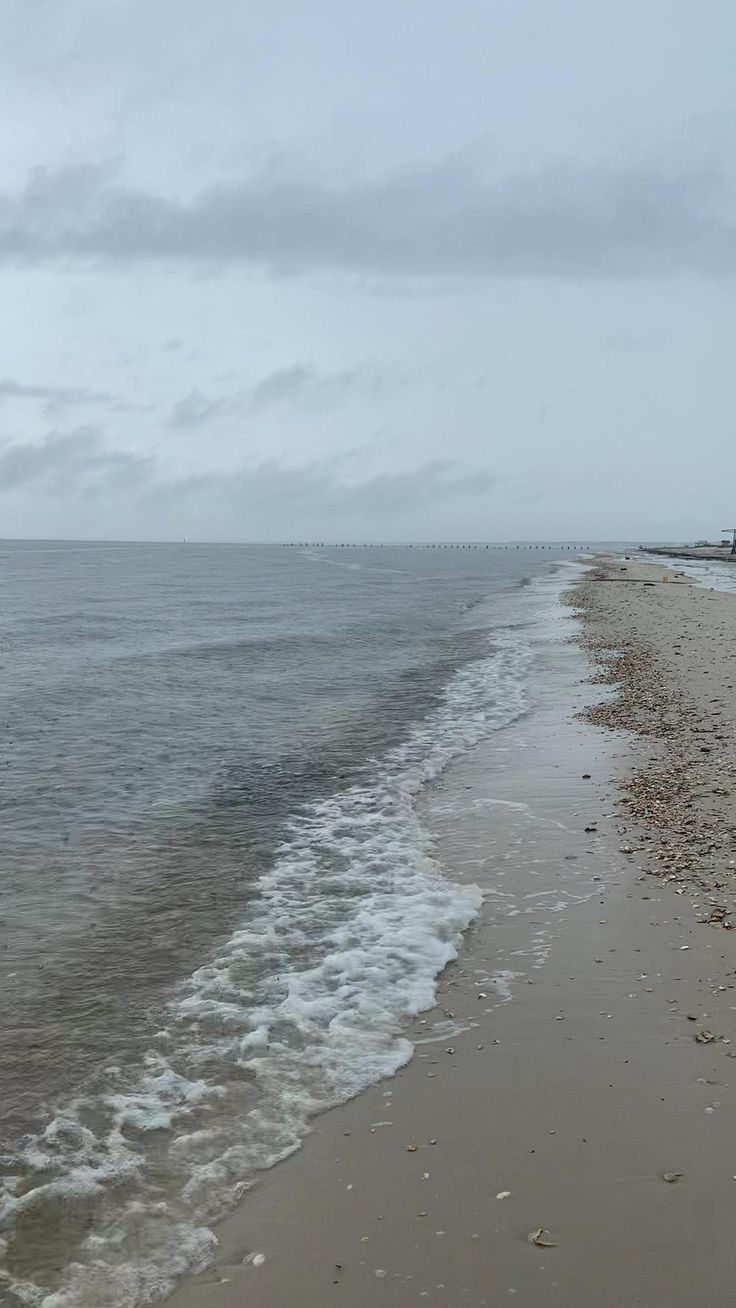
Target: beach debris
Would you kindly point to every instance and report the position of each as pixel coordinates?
(412, 1148)
(671, 1177)
(504, 1194)
(539, 1238)
(703, 1036)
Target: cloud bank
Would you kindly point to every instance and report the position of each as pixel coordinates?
(267, 501)
(72, 463)
(442, 219)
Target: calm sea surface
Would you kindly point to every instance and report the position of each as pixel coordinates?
(217, 900)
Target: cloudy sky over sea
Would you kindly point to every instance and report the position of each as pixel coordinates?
(434, 268)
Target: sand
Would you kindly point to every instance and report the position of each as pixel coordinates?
(561, 1064)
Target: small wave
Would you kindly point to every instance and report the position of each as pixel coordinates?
(300, 1009)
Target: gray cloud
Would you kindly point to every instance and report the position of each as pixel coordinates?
(75, 462)
(438, 219)
(300, 385)
(287, 384)
(267, 501)
(315, 501)
(304, 385)
(56, 398)
(319, 485)
(194, 409)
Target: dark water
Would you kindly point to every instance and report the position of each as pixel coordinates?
(178, 721)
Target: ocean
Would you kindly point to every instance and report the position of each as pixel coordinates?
(219, 901)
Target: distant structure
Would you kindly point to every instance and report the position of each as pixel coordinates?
(732, 533)
(558, 546)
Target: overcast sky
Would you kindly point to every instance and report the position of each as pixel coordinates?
(406, 269)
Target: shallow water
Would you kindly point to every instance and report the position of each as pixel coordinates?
(218, 897)
(708, 574)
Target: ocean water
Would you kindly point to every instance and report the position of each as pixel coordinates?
(218, 900)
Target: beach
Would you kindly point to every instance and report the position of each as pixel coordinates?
(235, 861)
(411, 982)
(573, 1086)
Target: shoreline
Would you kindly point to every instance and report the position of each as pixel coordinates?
(704, 553)
(568, 1060)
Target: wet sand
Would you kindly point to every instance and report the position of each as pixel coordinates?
(561, 1064)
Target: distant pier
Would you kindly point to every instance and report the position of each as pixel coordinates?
(429, 545)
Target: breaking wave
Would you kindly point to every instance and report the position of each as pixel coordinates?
(300, 1009)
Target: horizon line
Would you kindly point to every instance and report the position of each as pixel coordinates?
(575, 542)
